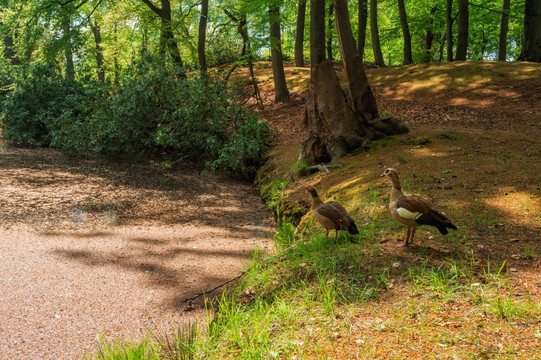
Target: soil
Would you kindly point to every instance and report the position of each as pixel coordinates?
(113, 247)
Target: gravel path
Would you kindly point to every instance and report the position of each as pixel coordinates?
(112, 248)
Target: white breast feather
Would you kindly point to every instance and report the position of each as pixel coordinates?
(406, 214)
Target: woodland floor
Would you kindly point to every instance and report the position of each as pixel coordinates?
(113, 246)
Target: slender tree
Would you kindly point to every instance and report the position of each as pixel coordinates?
(504, 28)
(299, 34)
(405, 32)
(429, 39)
(167, 38)
(531, 45)
(374, 32)
(463, 26)
(203, 35)
(96, 30)
(449, 28)
(280, 86)
(363, 18)
(330, 26)
(68, 49)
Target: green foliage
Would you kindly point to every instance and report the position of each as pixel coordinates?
(33, 108)
(152, 111)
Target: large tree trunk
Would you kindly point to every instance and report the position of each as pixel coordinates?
(299, 34)
(363, 18)
(317, 32)
(429, 36)
(203, 35)
(280, 86)
(330, 23)
(96, 30)
(531, 46)
(374, 32)
(504, 28)
(405, 32)
(339, 121)
(449, 28)
(463, 24)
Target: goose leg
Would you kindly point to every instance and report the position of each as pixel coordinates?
(405, 242)
(336, 237)
(412, 234)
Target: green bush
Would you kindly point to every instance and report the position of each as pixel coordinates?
(30, 111)
(154, 110)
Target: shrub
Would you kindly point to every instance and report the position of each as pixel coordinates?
(154, 110)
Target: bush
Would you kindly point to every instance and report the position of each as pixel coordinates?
(154, 110)
(32, 108)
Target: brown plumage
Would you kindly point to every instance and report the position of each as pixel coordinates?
(412, 210)
(331, 215)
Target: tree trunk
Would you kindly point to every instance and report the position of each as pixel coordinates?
(337, 121)
(463, 22)
(96, 30)
(531, 46)
(299, 34)
(429, 36)
(68, 50)
(504, 28)
(203, 35)
(449, 28)
(405, 32)
(167, 38)
(376, 46)
(363, 17)
(9, 53)
(317, 32)
(330, 23)
(280, 86)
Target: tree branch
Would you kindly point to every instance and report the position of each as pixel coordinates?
(153, 7)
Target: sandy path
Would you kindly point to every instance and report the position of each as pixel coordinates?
(112, 248)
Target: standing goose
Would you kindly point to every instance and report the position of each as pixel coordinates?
(412, 210)
(331, 215)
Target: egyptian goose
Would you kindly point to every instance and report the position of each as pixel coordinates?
(412, 210)
(331, 215)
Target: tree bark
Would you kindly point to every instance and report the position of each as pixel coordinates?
(299, 34)
(504, 28)
(449, 28)
(429, 36)
(96, 30)
(280, 86)
(531, 46)
(317, 32)
(9, 53)
(330, 23)
(405, 32)
(363, 17)
(338, 121)
(203, 36)
(463, 25)
(376, 46)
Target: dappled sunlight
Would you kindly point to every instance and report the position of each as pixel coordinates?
(518, 206)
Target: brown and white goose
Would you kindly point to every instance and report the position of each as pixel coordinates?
(412, 210)
(331, 215)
